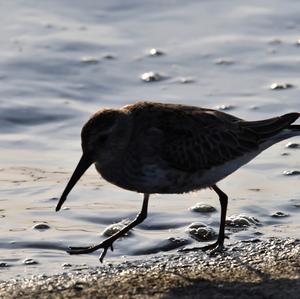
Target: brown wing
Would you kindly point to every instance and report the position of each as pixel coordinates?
(204, 147)
(191, 138)
(210, 138)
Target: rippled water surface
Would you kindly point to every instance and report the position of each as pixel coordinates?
(60, 61)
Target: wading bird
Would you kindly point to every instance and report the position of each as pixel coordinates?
(168, 148)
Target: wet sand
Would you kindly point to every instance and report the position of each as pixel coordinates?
(252, 269)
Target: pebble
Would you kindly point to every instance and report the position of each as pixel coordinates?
(203, 208)
(291, 172)
(89, 59)
(255, 189)
(177, 240)
(54, 198)
(225, 107)
(78, 286)
(200, 231)
(292, 145)
(30, 262)
(274, 86)
(151, 77)
(41, 226)
(66, 265)
(224, 61)
(184, 80)
(241, 221)
(279, 215)
(4, 265)
(155, 52)
(116, 227)
(109, 56)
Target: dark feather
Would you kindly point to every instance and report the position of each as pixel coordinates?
(193, 138)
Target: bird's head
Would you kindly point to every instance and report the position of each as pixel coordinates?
(102, 137)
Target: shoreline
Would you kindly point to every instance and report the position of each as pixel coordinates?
(260, 268)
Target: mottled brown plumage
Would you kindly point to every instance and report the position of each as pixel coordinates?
(168, 148)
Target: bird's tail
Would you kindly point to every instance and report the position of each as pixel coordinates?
(268, 128)
(294, 128)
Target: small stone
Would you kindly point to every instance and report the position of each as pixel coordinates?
(298, 42)
(177, 240)
(254, 240)
(109, 56)
(279, 215)
(115, 228)
(186, 80)
(225, 107)
(241, 221)
(66, 265)
(296, 202)
(151, 77)
(224, 61)
(4, 265)
(54, 198)
(291, 172)
(292, 145)
(203, 208)
(89, 59)
(255, 189)
(155, 52)
(78, 286)
(29, 262)
(41, 226)
(200, 231)
(258, 233)
(275, 86)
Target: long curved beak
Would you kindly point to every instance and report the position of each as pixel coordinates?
(84, 163)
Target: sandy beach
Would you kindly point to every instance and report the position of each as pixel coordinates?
(252, 269)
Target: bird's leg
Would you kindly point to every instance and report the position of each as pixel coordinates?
(108, 243)
(219, 244)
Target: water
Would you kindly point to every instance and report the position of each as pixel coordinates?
(60, 61)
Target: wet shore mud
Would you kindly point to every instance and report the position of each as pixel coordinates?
(252, 269)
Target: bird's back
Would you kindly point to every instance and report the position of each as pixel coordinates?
(173, 147)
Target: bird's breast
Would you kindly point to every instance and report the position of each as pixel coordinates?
(150, 178)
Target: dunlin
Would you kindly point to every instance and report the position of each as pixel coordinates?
(167, 148)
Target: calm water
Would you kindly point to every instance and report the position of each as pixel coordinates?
(60, 61)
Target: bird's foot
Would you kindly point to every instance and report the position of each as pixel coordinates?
(105, 245)
(213, 248)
